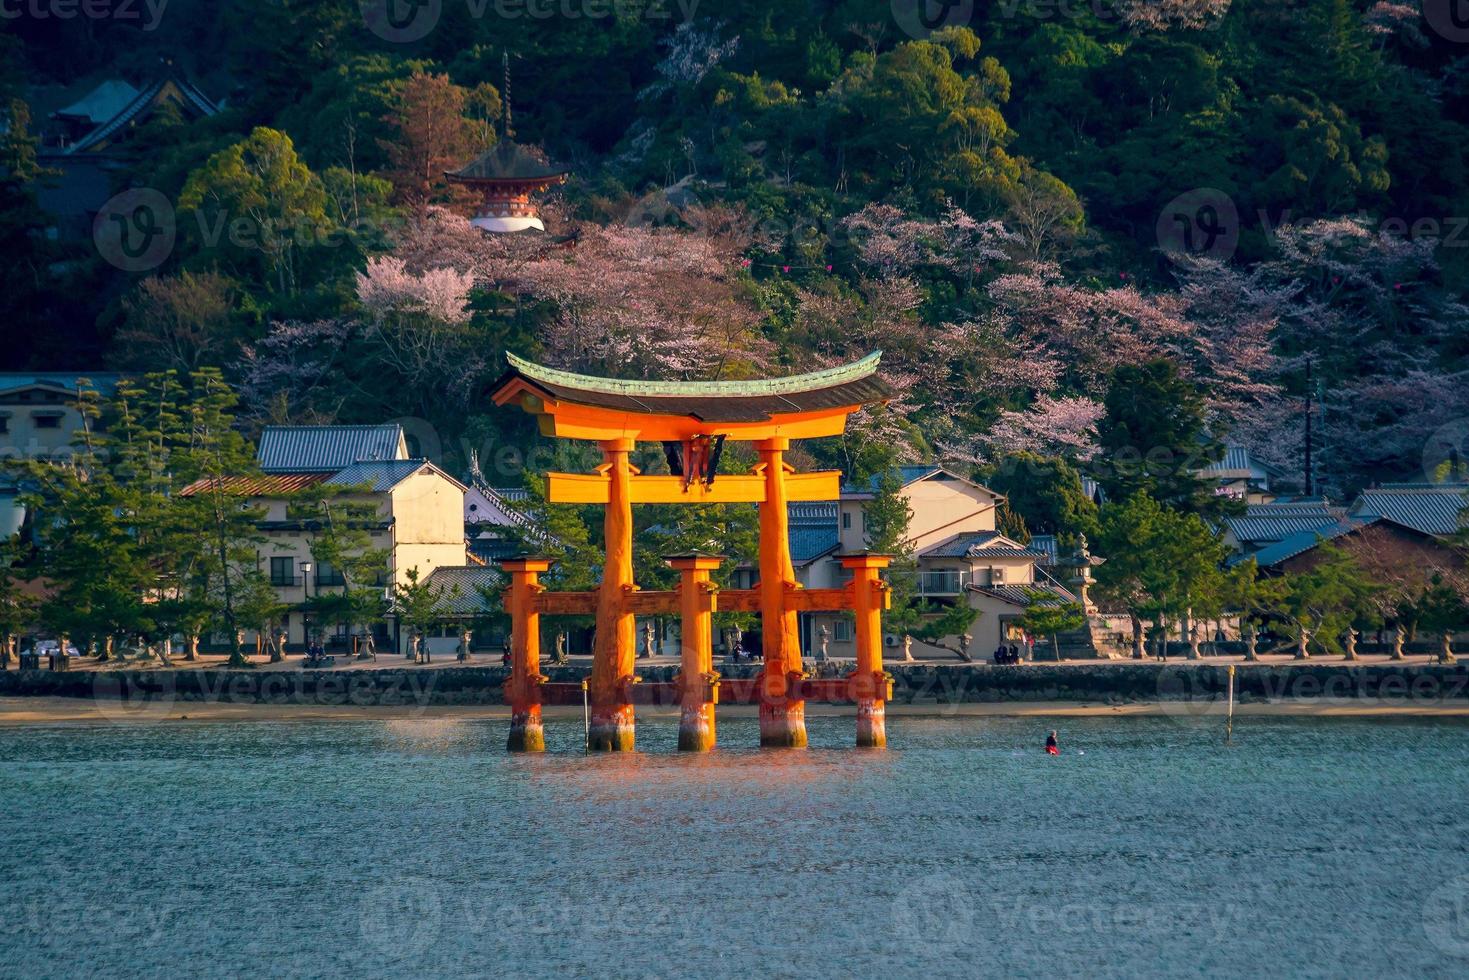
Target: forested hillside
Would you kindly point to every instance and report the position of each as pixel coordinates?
(1073, 228)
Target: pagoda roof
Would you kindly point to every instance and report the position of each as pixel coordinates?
(507, 160)
(750, 401)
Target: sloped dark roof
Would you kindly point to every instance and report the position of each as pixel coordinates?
(1302, 542)
(907, 476)
(195, 101)
(266, 485)
(1026, 595)
(496, 511)
(327, 448)
(462, 584)
(710, 401)
(508, 161)
(1046, 545)
(981, 544)
(1237, 461)
(381, 475)
(105, 382)
(1430, 508)
(813, 531)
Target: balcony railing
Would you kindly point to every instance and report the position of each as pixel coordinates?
(950, 582)
(285, 581)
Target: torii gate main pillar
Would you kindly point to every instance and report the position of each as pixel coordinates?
(782, 709)
(614, 651)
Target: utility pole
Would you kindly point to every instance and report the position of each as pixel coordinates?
(1309, 486)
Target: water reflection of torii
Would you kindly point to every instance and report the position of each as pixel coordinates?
(692, 420)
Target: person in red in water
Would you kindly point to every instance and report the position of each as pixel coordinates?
(1051, 747)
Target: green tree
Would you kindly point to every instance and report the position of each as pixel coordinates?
(1161, 564)
(1047, 492)
(1048, 616)
(1154, 439)
(1322, 601)
(17, 606)
(1441, 608)
(419, 605)
(259, 196)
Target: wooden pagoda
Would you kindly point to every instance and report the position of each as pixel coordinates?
(693, 420)
(506, 176)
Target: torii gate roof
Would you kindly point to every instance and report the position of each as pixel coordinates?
(799, 406)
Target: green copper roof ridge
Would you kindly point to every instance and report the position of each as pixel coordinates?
(815, 380)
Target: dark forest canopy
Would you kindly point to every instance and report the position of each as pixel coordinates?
(1013, 206)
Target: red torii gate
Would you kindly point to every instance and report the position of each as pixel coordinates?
(693, 420)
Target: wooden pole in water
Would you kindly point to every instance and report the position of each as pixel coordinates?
(1229, 718)
(586, 719)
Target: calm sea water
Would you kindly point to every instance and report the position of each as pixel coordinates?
(1309, 848)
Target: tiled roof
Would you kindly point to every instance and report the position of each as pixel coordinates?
(508, 160)
(981, 544)
(327, 448)
(380, 475)
(266, 485)
(195, 101)
(1430, 508)
(462, 585)
(1237, 461)
(485, 505)
(1264, 529)
(1025, 595)
(1302, 542)
(813, 530)
(1046, 544)
(101, 103)
(103, 381)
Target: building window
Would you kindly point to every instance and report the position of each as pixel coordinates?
(846, 520)
(47, 421)
(282, 572)
(327, 575)
(841, 631)
(4, 423)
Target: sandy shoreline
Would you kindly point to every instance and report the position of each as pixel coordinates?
(20, 712)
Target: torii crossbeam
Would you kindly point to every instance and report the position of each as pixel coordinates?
(693, 420)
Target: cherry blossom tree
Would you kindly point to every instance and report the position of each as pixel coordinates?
(387, 287)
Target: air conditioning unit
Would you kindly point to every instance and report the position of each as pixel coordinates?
(889, 640)
(997, 576)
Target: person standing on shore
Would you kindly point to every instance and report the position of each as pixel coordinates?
(1052, 746)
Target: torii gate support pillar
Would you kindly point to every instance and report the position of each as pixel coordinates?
(523, 688)
(698, 684)
(871, 686)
